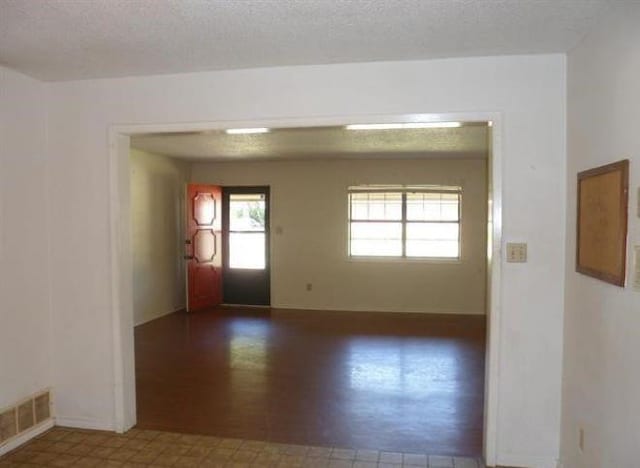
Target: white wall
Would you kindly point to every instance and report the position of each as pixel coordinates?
(157, 236)
(309, 205)
(601, 388)
(528, 92)
(25, 326)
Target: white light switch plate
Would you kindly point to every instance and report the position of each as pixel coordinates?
(516, 252)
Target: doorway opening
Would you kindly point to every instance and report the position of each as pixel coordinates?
(247, 325)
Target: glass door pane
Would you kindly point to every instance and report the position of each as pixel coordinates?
(247, 237)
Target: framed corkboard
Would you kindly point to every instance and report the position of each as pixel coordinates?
(601, 249)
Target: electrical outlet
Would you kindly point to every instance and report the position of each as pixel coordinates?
(581, 439)
(516, 252)
(309, 286)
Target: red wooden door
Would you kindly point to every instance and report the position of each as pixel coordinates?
(204, 246)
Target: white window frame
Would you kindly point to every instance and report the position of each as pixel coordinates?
(403, 190)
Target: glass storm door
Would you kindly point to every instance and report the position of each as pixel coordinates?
(245, 226)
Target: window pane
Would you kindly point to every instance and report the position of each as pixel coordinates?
(247, 212)
(433, 240)
(247, 250)
(376, 239)
(433, 231)
(376, 206)
(433, 206)
(440, 249)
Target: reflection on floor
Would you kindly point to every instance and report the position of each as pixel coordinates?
(140, 448)
(389, 382)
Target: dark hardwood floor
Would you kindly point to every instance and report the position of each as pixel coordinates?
(400, 382)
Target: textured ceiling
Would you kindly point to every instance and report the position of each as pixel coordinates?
(76, 39)
(469, 141)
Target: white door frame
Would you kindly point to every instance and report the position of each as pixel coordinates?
(121, 261)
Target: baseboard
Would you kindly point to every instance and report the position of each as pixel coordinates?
(82, 423)
(245, 306)
(26, 436)
(527, 461)
(383, 311)
(179, 309)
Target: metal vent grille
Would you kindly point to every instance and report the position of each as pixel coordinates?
(24, 415)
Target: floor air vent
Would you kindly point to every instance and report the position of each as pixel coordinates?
(25, 415)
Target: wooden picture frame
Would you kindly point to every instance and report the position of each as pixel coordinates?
(601, 244)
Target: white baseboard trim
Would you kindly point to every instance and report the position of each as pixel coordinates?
(527, 461)
(385, 311)
(159, 315)
(26, 436)
(81, 423)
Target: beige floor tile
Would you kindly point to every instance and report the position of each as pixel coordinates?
(220, 453)
(166, 460)
(64, 460)
(414, 459)
(80, 449)
(319, 452)
(317, 462)
(88, 462)
(334, 463)
(135, 444)
(148, 435)
(343, 454)
(436, 461)
(168, 437)
(253, 445)
(244, 456)
(115, 442)
(61, 447)
(267, 459)
(187, 461)
(367, 455)
(138, 448)
(364, 464)
(102, 452)
(132, 464)
(290, 460)
(210, 441)
(230, 443)
(121, 454)
(465, 462)
(391, 458)
(111, 464)
(190, 439)
(145, 456)
(44, 458)
(76, 437)
(297, 450)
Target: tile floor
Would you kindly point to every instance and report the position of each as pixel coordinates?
(144, 448)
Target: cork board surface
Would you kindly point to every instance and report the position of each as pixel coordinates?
(602, 222)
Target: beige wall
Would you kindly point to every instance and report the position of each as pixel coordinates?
(157, 212)
(309, 206)
(601, 381)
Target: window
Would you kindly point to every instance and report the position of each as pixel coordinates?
(404, 222)
(247, 240)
